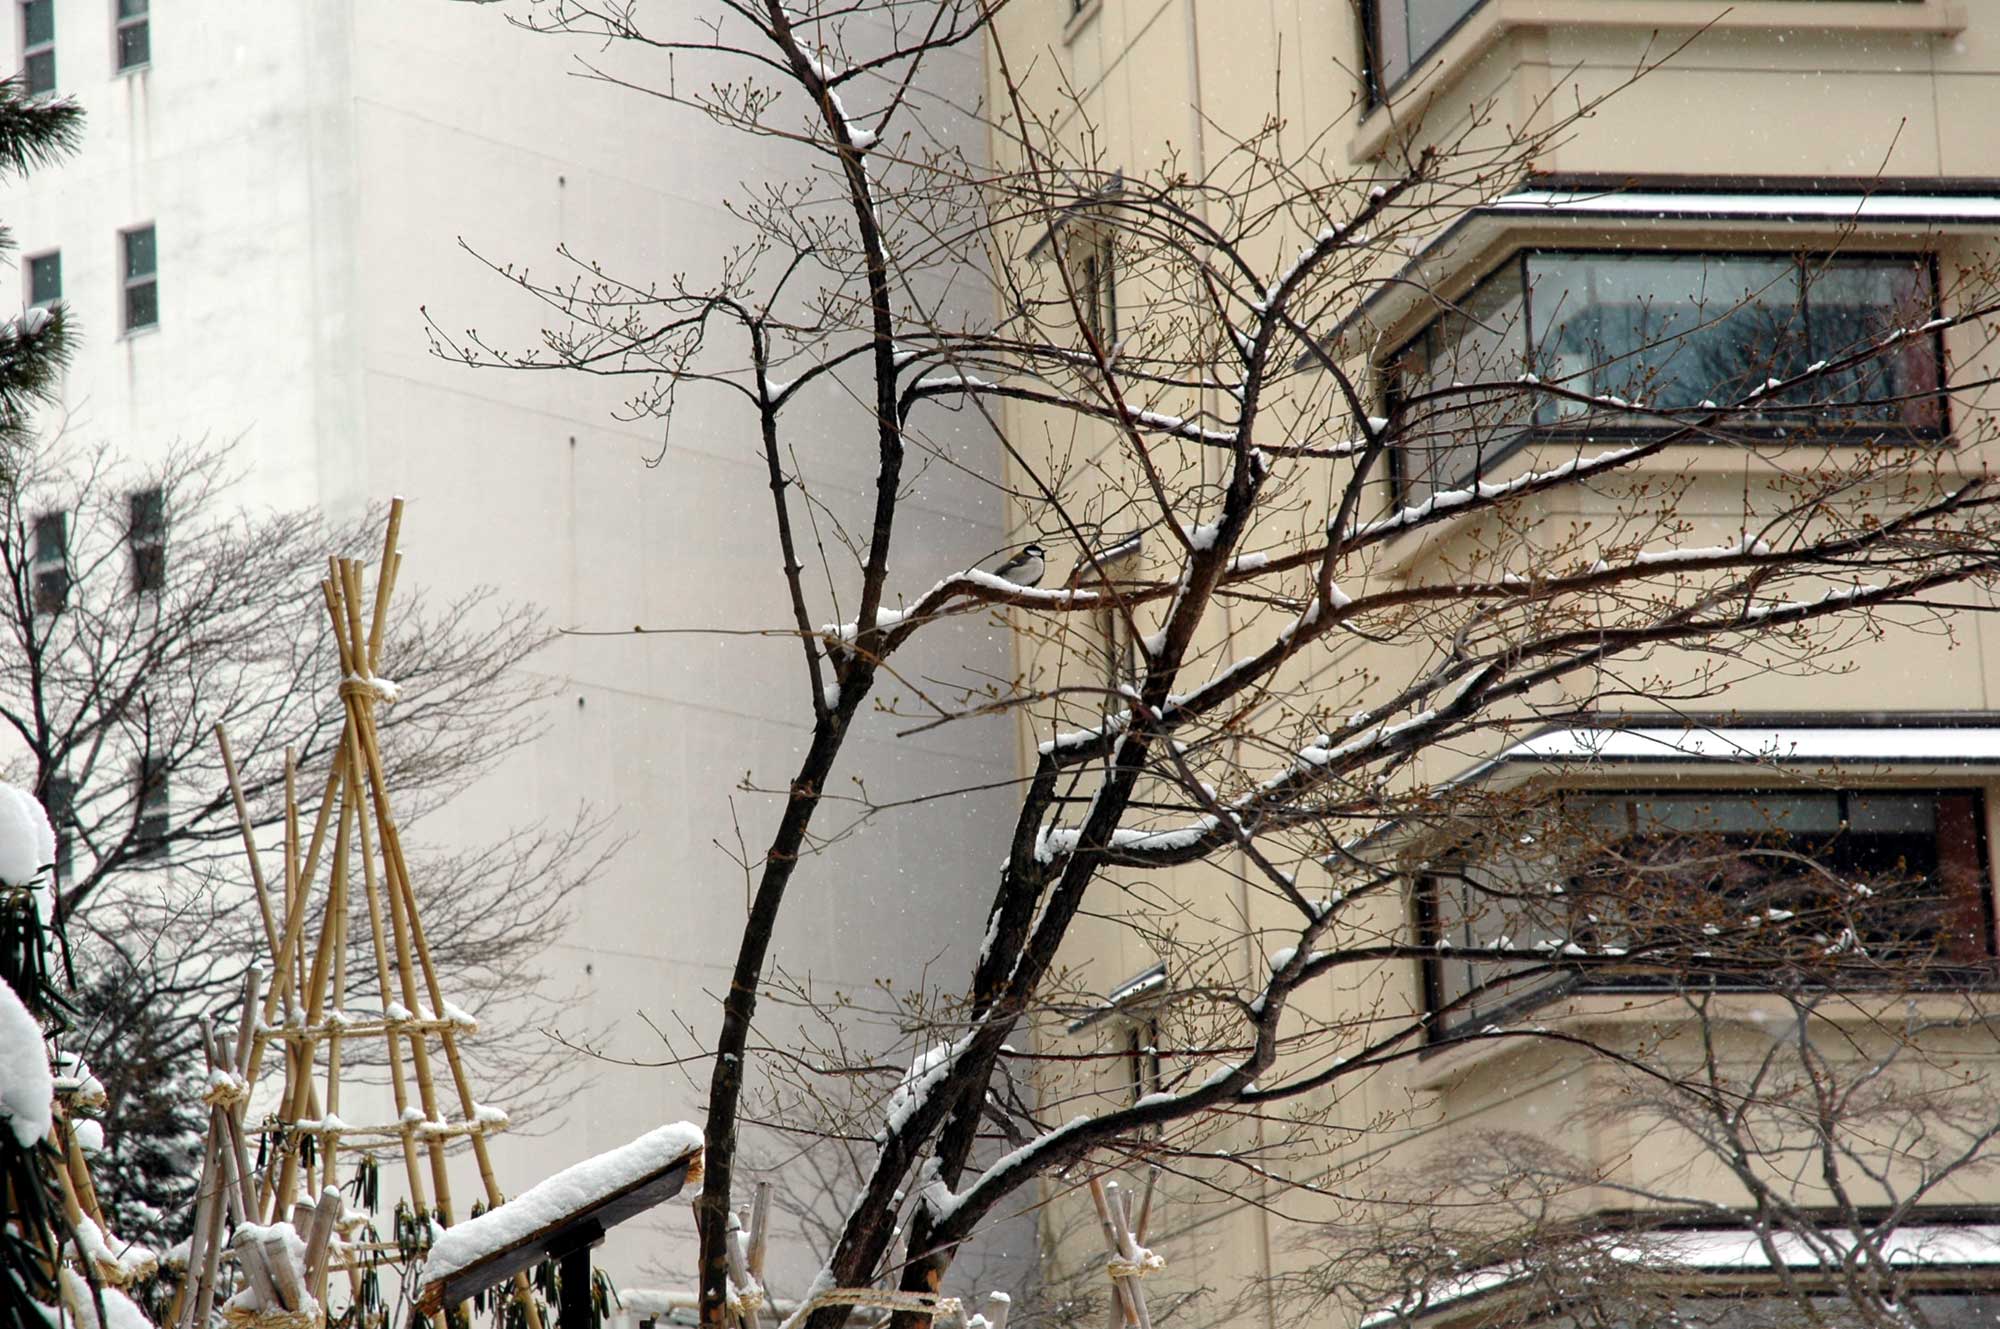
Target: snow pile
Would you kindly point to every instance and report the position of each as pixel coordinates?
(27, 841)
(119, 1310)
(26, 1087)
(556, 1198)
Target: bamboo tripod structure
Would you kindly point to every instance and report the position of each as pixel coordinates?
(303, 1011)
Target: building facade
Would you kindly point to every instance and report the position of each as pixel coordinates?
(1755, 147)
(268, 200)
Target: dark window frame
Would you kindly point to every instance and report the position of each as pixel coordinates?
(130, 17)
(38, 58)
(152, 819)
(49, 567)
(1427, 917)
(146, 538)
(141, 289)
(33, 268)
(61, 807)
(1615, 431)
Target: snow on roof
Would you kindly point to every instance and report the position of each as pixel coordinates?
(1729, 1250)
(1663, 203)
(26, 1087)
(1916, 744)
(556, 1198)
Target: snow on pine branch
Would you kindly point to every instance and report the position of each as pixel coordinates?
(26, 1087)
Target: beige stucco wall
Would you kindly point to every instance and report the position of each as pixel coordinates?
(1834, 88)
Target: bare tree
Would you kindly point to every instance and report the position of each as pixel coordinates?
(143, 608)
(1833, 1140)
(1245, 699)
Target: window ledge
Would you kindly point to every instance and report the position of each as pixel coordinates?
(134, 334)
(1499, 19)
(130, 70)
(1601, 1014)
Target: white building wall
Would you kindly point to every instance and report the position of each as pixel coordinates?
(310, 167)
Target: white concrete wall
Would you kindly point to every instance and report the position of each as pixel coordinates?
(310, 167)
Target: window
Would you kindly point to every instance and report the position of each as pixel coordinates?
(149, 838)
(61, 805)
(38, 45)
(51, 562)
(146, 534)
(142, 278)
(1142, 1059)
(44, 278)
(1889, 882)
(1398, 34)
(135, 41)
(1120, 650)
(1671, 331)
(1097, 292)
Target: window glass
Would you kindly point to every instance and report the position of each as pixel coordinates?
(45, 279)
(150, 833)
(1445, 441)
(1892, 880)
(51, 564)
(1402, 32)
(142, 285)
(146, 534)
(1854, 304)
(135, 43)
(1668, 330)
(38, 45)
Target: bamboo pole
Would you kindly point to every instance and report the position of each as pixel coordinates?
(249, 843)
(315, 1002)
(398, 1083)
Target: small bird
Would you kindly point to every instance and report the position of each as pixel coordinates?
(1025, 568)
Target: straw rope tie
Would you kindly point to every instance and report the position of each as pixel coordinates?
(226, 1093)
(250, 1317)
(376, 690)
(1148, 1263)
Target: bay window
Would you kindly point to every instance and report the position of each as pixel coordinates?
(1641, 337)
(1625, 891)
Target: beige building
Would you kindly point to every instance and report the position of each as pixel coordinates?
(1831, 159)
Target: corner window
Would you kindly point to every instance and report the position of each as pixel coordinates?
(149, 832)
(135, 40)
(44, 278)
(1398, 34)
(146, 536)
(142, 278)
(1888, 884)
(1668, 333)
(38, 46)
(51, 562)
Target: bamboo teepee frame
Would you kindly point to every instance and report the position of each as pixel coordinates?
(303, 1011)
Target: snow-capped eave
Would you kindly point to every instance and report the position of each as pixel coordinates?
(1126, 995)
(1440, 263)
(1089, 201)
(1939, 1252)
(1965, 743)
